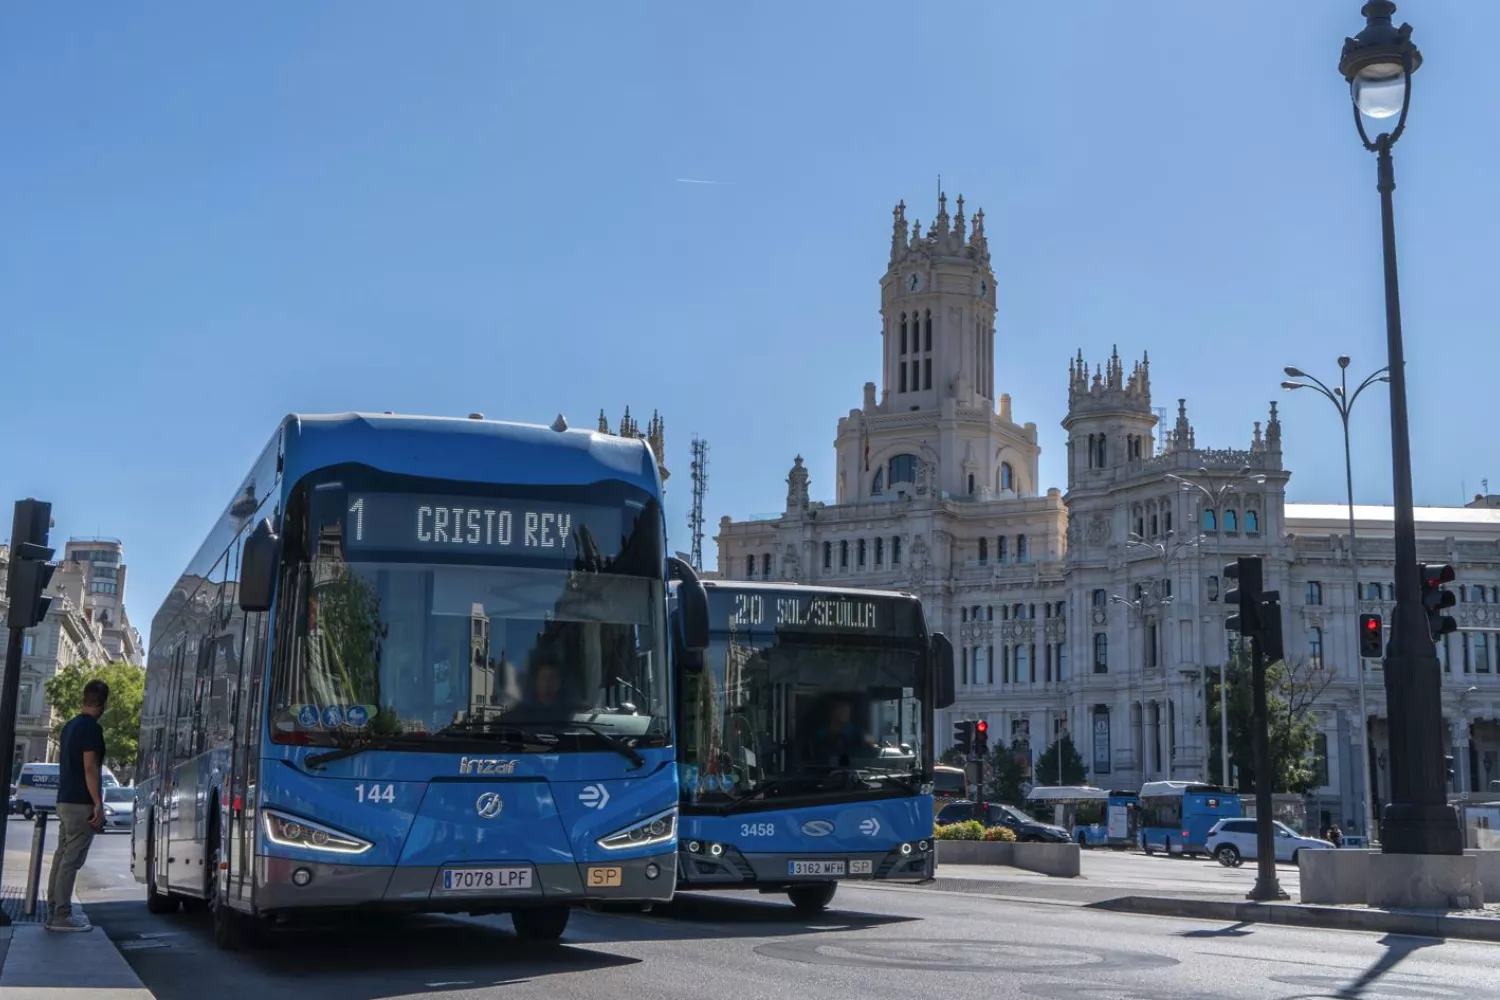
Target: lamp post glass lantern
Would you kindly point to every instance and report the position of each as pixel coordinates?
(1343, 401)
(1418, 819)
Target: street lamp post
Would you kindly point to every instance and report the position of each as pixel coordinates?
(1214, 493)
(1166, 552)
(1343, 401)
(1378, 64)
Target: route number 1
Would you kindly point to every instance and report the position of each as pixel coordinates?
(375, 793)
(357, 510)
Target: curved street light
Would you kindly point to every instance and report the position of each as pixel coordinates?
(1214, 491)
(1378, 65)
(1343, 401)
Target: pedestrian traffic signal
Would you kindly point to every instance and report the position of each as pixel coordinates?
(1371, 637)
(963, 736)
(29, 572)
(1436, 599)
(981, 737)
(1245, 574)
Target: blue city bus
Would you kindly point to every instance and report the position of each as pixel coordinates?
(419, 664)
(1177, 815)
(807, 741)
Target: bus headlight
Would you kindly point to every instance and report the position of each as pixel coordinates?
(658, 829)
(294, 831)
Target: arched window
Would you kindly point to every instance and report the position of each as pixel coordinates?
(1000, 551)
(1022, 553)
(984, 550)
(828, 555)
(1231, 521)
(1210, 522)
(903, 333)
(1252, 521)
(765, 565)
(878, 486)
(903, 469)
(879, 550)
(750, 567)
(895, 550)
(1099, 598)
(859, 553)
(844, 553)
(927, 340)
(1007, 476)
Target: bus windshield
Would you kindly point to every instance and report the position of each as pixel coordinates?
(410, 652)
(775, 714)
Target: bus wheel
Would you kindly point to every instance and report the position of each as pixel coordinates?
(545, 923)
(156, 902)
(1083, 840)
(812, 898)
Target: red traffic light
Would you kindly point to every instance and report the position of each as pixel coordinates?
(1372, 624)
(982, 726)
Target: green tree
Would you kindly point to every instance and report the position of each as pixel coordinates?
(1073, 771)
(122, 718)
(1007, 773)
(1291, 690)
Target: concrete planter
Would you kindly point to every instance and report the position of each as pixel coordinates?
(1346, 876)
(1061, 860)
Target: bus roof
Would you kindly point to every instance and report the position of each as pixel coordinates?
(1044, 792)
(456, 448)
(1167, 789)
(801, 588)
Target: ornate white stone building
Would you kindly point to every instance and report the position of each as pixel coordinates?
(1098, 612)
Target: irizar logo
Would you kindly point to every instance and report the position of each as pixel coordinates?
(489, 805)
(817, 828)
(485, 766)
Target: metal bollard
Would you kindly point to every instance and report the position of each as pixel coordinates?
(34, 871)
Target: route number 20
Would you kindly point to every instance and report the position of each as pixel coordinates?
(375, 793)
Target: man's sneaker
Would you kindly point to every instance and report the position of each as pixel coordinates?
(72, 924)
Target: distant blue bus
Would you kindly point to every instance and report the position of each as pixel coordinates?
(1094, 816)
(807, 741)
(420, 664)
(1177, 815)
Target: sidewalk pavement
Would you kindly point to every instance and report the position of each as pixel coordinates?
(37, 964)
(1226, 903)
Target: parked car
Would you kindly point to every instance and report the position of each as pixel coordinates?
(1232, 842)
(1026, 829)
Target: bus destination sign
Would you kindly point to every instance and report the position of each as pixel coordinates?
(851, 613)
(531, 529)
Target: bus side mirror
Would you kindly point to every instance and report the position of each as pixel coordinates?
(258, 563)
(692, 606)
(940, 663)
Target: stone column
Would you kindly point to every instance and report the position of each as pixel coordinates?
(1460, 728)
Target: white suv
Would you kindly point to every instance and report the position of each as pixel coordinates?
(1232, 841)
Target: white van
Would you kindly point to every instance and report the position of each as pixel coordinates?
(37, 789)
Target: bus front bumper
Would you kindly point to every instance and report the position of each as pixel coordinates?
(282, 884)
(703, 869)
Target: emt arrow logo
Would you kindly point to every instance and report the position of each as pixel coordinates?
(594, 796)
(870, 827)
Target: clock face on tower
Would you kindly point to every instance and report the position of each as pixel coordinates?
(915, 282)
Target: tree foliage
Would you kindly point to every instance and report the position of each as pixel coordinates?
(1007, 773)
(1073, 771)
(1291, 691)
(122, 717)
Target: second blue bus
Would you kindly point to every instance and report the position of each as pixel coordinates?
(807, 741)
(1177, 815)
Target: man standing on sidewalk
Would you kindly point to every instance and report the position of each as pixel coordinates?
(80, 805)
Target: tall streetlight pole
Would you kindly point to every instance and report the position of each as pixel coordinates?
(1343, 401)
(1214, 492)
(1378, 64)
(1166, 551)
(1141, 606)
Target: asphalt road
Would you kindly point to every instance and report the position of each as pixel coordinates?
(875, 944)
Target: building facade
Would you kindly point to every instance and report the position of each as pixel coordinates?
(66, 636)
(102, 563)
(1098, 613)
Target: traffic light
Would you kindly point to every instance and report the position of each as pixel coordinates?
(1437, 599)
(1448, 763)
(29, 572)
(981, 737)
(963, 736)
(1371, 637)
(1245, 574)
(1268, 616)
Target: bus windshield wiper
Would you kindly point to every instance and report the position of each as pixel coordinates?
(407, 742)
(610, 740)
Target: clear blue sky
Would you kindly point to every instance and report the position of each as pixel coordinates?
(214, 215)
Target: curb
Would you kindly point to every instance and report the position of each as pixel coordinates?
(39, 963)
(1410, 923)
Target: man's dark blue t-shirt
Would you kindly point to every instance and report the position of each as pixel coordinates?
(79, 736)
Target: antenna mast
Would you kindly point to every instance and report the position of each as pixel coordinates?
(700, 489)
